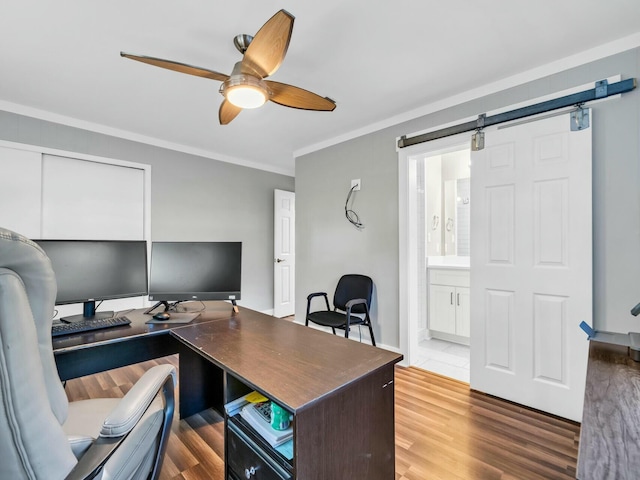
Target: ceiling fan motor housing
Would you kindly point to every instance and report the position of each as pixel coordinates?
(244, 90)
(242, 42)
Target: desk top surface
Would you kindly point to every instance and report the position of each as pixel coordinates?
(295, 364)
(138, 327)
(609, 446)
(303, 363)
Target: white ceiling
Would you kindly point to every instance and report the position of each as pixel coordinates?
(376, 59)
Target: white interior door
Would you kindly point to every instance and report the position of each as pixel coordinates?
(284, 254)
(531, 265)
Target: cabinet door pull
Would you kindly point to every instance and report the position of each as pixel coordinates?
(458, 299)
(451, 298)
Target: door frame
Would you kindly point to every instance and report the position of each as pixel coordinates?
(407, 290)
(407, 248)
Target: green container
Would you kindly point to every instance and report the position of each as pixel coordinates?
(280, 418)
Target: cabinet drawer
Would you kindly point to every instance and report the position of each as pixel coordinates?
(248, 460)
(453, 277)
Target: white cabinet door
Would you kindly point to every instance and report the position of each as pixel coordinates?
(463, 312)
(449, 302)
(442, 311)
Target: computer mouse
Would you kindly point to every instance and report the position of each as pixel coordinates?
(162, 316)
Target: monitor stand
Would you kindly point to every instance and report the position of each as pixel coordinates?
(88, 313)
(166, 307)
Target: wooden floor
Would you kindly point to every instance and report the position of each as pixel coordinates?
(443, 431)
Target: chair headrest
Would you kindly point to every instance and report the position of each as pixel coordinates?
(31, 264)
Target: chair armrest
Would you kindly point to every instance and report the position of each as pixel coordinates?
(356, 301)
(133, 405)
(124, 417)
(90, 464)
(351, 303)
(317, 294)
(311, 296)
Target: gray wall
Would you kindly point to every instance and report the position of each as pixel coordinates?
(329, 246)
(192, 198)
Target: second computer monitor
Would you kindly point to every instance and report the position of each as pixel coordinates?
(182, 271)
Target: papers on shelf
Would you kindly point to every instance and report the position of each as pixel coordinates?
(261, 425)
(249, 407)
(234, 406)
(286, 449)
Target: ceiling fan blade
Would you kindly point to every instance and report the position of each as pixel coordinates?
(269, 46)
(177, 66)
(228, 111)
(296, 97)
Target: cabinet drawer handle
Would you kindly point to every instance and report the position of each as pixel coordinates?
(249, 472)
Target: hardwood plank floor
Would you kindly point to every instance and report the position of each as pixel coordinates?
(446, 431)
(443, 431)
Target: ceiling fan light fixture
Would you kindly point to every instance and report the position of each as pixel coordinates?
(245, 91)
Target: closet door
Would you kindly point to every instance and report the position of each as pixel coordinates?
(90, 200)
(20, 175)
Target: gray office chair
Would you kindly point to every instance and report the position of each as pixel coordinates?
(352, 296)
(42, 435)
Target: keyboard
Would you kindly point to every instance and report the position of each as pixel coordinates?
(87, 325)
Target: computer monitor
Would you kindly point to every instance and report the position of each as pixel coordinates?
(93, 270)
(183, 271)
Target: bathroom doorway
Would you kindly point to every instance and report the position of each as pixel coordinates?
(442, 219)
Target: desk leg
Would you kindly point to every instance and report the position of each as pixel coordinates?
(201, 383)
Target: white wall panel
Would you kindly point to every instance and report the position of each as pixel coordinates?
(549, 324)
(501, 157)
(501, 224)
(285, 228)
(286, 286)
(499, 329)
(551, 148)
(551, 222)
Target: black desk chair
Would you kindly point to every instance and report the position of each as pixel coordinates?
(353, 295)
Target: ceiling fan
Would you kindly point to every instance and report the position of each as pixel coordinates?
(246, 87)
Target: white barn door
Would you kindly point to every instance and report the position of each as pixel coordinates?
(531, 265)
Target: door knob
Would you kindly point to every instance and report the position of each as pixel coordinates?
(279, 260)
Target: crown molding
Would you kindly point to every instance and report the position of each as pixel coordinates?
(587, 56)
(135, 137)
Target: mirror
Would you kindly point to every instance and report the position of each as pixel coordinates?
(448, 203)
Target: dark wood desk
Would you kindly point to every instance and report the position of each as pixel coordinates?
(341, 392)
(610, 431)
